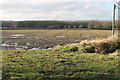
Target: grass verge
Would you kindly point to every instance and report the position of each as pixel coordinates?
(46, 64)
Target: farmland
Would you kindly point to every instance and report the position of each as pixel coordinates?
(44, 39)
(59, 40)
(79, 54)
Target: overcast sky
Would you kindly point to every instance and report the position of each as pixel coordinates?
(56, 10)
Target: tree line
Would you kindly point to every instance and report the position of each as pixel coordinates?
(58, 24)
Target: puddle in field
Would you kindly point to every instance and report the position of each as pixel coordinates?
(35, 48)
(21, 41)
(5, 45)
(27, 45)
(17, 35)
(59, 36)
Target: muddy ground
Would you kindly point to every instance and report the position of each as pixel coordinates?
(46, 39)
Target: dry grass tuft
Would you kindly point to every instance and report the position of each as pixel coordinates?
(103, 46)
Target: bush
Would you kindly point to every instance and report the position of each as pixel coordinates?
(106, 47)
(103, 46)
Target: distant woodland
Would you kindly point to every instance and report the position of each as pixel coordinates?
(101, 25)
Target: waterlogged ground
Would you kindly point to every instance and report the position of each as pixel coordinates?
(70, 62)
(46, 39)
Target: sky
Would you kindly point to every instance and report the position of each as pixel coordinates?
(56, 10)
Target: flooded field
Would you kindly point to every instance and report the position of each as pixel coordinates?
(46, 39)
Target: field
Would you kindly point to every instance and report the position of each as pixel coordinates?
(47, 64)
(44, 39)
(63, 54)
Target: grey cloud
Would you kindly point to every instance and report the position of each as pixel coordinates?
(46, 10)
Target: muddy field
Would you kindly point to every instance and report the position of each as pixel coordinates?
(46, 39)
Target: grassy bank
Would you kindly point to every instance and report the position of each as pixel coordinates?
(63, 62)
(46, 64)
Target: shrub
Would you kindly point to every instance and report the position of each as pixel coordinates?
(106, 47)
(103, 46)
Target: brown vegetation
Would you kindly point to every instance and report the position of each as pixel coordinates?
(103, 46)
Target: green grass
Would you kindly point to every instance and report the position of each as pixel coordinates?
(50, 64)
(63, 62)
